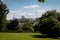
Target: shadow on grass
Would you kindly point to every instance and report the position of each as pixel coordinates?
(42, 36)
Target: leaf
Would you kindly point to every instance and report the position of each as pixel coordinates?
(41, 1)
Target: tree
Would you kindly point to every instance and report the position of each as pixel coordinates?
(36, 25)
(13, 25)
(50, 24)
(28, 26)
(53, 13)
(41, 1)
(3, 12)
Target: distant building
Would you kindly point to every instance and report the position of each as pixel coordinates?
(23, 18)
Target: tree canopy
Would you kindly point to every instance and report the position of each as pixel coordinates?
(3, 12)
(41, 1)
(50, 24)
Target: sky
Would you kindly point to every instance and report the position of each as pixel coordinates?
(29, 8)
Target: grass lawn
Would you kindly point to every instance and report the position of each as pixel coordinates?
(23, 36)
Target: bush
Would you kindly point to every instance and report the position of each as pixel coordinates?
(28, 29)
(36, 27)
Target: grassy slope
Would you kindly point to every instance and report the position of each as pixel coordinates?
(22, 36)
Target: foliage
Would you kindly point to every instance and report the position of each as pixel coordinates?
(41, 1)
(3, 12)
(13, 25)
(36, 26)
(49, 24)
(53, 13)
(28, 27)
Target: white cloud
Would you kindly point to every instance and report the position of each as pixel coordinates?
(32, 6)
(18, 14)
(15, 11)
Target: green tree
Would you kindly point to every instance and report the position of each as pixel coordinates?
(13, 25)
(28, 26)
(50, 24)
(41, 1)
(3, 12)
(53, 13)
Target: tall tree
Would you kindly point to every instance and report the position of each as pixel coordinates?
(13, 25)
(50, 24)
(3, 12)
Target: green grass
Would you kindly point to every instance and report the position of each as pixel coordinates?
(22, 36)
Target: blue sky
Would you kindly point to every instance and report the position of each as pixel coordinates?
(28, 8)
